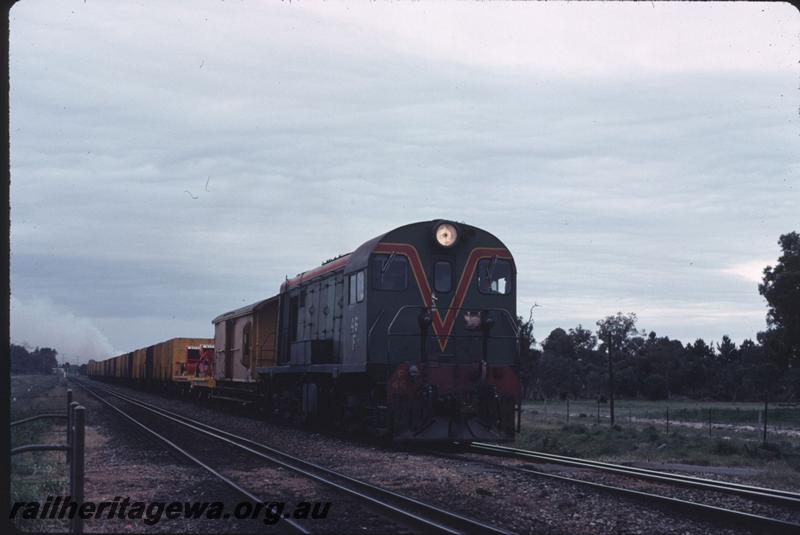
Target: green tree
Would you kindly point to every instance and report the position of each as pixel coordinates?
(615, 333)
(780, 286)
(20, 359)
(528, 357)
(559, 342)
(726, 375)
(40, 360)
(726, 350)
(582, 340)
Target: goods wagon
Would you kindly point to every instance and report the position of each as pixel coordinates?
(172, 364)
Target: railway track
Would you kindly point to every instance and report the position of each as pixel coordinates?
(757, 522)
(407, 511)
(775, 496)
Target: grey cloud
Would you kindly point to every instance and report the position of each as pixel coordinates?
(608, 190)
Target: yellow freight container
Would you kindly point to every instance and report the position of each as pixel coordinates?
(161, 362)
(170, 356)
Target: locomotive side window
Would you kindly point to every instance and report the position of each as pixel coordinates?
(442, 276)
(360, 286)
(351, 283)
(389, 272)
(356, 283)
(494, 276)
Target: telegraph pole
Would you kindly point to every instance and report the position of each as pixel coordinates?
(610, 384)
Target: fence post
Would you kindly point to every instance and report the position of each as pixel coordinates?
(598, 411)
(70, 427)
(709, 422)
(69, 435)
(71, 443)
(567, 410)
(78, 443)
(766, 406)
(667, 419)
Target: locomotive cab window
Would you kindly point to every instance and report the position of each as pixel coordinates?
(389, 272)
(193, 354)
(494, 276)
(442, 276)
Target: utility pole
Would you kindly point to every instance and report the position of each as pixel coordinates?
(766, 408)
(610, 384)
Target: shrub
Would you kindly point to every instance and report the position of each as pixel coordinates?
(725, 447)
(575, 428)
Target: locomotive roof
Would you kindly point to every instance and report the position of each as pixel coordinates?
(333, 265)
(242, 311)
(350, 262)
(360, 257)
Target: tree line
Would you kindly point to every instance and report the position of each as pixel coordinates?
(619, 359)
(40, 360)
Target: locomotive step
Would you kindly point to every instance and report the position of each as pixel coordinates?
(243, 402)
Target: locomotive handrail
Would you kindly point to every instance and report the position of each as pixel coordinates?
(372, 327)
(421, 307)
(455, 337)
(477, 336)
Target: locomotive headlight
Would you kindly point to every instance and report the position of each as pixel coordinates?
(446, 235)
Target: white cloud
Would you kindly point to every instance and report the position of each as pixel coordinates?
(582, 39)
(751, 271)
(40, 322)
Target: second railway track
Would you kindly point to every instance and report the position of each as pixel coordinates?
(409, 512)
(776, 496)
(760, 523)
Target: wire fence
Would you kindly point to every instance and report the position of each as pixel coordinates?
(773, 421)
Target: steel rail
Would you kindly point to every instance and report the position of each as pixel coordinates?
(445, 521)
(771, 525)
(781, 497)
(296, 526)
(463, 523)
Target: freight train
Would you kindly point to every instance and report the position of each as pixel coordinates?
(413, 336)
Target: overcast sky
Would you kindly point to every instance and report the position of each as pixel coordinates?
(171, 161)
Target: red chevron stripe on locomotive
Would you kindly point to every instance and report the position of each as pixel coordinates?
(442, 327)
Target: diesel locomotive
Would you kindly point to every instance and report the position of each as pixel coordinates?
(413, 336)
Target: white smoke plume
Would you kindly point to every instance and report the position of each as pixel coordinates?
(40, 322)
